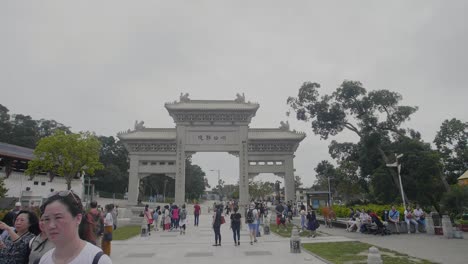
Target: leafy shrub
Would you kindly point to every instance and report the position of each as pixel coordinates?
(342, 211)
(3, 213)
(455, 202)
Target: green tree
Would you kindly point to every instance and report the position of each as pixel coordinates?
(66, 155)
(113, 178)
(23, 131)
(194, 180)
(5, 126)
(3, 189)
(455, 202)
(324, 170)
(47, 128)
(421, 172)
(451, 141)
(297, 181)
(376, 117)
(351, 108)
(260, 189)
(158, 183)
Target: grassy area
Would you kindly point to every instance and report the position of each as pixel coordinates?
(356, 252)
(286, 232)
(126, 232)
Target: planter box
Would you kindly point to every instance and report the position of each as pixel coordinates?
(463, 227)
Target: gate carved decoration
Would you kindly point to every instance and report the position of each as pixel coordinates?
(210, 126)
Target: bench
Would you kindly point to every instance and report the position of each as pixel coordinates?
(404, 228)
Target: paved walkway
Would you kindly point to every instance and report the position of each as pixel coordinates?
(430, 247)
(196, 247)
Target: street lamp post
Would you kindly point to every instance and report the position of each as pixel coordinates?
(219, 181)
(164, 197)
(398, 166)
(329, 193)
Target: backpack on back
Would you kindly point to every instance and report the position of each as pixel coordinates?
(249, 218)
(98, 223)
(183, 214)
(236, 218)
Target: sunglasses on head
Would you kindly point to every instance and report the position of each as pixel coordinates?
(64, 194)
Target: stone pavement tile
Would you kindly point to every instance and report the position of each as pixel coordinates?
(431, 247)
(196, 247)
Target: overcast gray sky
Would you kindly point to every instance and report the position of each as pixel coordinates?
(101, 65)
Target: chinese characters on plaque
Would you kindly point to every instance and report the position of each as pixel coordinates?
(212, 138)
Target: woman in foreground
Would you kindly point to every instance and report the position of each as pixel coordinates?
(63, 212)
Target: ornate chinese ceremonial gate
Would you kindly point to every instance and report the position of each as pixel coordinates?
(210, 126)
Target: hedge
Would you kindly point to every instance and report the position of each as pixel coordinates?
(342, 211)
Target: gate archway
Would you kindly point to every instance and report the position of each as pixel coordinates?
(211, 126)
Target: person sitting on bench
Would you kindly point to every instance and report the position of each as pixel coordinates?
(394, 218)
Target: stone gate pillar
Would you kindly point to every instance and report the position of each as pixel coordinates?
(244, 198)
(180, 166)
(289, 183)
(133, 180)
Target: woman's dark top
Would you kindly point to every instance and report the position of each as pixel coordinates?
(217, 220)
(17, 251)
(235, 219)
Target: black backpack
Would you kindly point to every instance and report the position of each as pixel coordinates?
(183, 214)
(98, 223)
(236, 218)
(249, 219)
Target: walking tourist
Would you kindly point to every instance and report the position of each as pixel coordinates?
(303, 215)
(175, 217)
(148, 218)
(279, 214)
(62, 215)
(156, 218)
(167, 218)
(40, 244)
(115, 214)
(15, 249)
(108, 229)
(251, 219)
(182, 219)
(92, 225)
(196, 213)
(312, 224)
(236, 225)
(217, 215)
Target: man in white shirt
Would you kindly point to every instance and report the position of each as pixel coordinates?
(409, 218)
(251, 219)
(420, 216)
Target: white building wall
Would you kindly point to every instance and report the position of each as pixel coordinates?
(18, 182)
(300, 192)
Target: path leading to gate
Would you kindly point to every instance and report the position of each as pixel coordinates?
(196, 247)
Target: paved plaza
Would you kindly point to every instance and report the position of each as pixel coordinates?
(196, 247)
(431, 247)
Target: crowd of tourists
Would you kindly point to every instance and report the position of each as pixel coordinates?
(57, 232)
(170, 217)
(367, 221)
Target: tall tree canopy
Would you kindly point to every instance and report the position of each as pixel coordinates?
(3, 189)
(194, 183)
(66, 155)
(452, 143)
(113, 178)
(260, 189)
(376, 117)
(22, 130)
